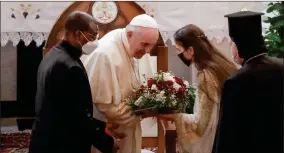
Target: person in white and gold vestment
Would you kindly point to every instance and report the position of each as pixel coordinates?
(113, 70)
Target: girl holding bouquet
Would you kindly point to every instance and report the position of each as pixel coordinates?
(196, 131)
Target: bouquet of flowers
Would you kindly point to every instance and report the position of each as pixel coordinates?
(163, 93)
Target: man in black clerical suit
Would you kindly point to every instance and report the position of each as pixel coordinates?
(64, 122)
(251, 113)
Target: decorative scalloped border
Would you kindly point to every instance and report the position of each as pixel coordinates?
(40, 37)
(27, 37)
(214, 32)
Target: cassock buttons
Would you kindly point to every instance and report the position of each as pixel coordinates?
(88, 113)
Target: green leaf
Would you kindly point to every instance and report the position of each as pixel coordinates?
(275, 19)
(270, 4)
(274, 37)
(282, 49)
(270, 9)
(267, 20)
(281, 12)
(279, 23)
(275, 7)
(278, 6)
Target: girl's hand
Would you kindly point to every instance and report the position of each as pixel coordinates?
(168, 117)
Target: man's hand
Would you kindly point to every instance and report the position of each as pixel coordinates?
(110, 130)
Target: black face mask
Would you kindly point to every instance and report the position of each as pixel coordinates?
(184, 60)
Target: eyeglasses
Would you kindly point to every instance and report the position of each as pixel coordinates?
(91, 35)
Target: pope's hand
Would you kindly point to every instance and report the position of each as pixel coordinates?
(110, 130)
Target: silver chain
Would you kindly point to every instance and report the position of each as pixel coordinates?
(255, 57)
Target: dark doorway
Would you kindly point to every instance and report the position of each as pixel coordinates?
(29, 58)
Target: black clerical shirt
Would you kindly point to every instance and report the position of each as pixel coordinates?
(64, 109)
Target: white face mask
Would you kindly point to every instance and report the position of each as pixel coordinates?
(89, 47)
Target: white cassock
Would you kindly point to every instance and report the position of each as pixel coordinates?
(114, 75)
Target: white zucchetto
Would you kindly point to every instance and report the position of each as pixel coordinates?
(144, 20)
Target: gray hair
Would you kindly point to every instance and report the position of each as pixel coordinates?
(132, 28)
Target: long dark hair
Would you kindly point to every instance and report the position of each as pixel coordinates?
(206, 56)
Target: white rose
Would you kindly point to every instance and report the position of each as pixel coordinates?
(138, 101)
(176, 86)
(168, 77)
(174, 103)
(154, 87)
(162, 93)
(160, 96)
(186, 84)
(147, 95)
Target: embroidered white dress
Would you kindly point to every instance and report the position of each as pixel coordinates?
(196, 131)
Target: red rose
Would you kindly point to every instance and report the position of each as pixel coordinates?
(169, 83)
(150, 82)
(180, 93)
(179, 81)
(160, 85)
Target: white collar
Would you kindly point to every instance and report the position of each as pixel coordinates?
(255, 57)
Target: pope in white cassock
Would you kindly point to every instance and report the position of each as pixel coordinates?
(114, 71)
